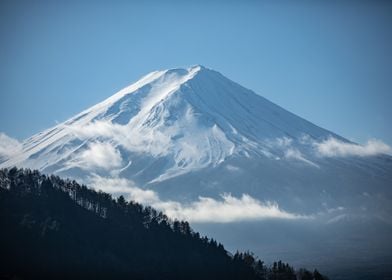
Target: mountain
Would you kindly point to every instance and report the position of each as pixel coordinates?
(199, 146)
(192, 132)
(171, 114)
(56, 229)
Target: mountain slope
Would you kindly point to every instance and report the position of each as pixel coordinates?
(192, 132)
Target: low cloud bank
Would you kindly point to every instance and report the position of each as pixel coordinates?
(9, 146)
(205, 210)
(333, 147)
(227, 209)
(330, 147)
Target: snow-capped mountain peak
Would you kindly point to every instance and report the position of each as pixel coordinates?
(169, 123)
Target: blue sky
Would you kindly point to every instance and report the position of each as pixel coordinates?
(327, 61)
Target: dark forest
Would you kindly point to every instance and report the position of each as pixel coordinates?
(59, 229)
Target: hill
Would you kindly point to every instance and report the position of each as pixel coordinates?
(58, 229)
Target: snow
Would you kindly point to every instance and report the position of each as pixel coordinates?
(191, 131)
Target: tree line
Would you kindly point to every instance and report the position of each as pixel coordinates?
(59, 229)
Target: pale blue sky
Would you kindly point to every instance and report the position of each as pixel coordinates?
(327, 61)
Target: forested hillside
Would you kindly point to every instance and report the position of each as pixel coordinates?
(58, 229)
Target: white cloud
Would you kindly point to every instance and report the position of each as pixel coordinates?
(132, 138)
(205, 209)
(292, 153)
(95, 129)
(284, 141)
(330, 147)
(333, 147)
(9, 146)
(285, 144)
(195, 147)
(227, 209)
(122, 186)
(98, 155)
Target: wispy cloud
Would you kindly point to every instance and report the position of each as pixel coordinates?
(333, 147)
(9, 146)
(292, 153)
(204, 210)
(285, 144)
(330, 147)
(98, 155)
(122, 186)
(133, 138)
(227, 209)
(195, 147)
